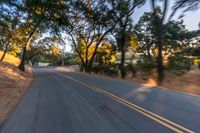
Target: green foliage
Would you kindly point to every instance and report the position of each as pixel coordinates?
(106, 54)
(197, 62)
(90, 24)
(147, 66)
(109, 69)
(39, 58)
(179, 63)
(71, 59)
(45, 50)
(133, 68)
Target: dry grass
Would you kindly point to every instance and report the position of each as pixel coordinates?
(13, 84)
(188, 82)
(10, 59)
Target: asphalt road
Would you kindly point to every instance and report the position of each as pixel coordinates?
(69, 102)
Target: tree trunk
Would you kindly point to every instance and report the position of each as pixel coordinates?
(22, 63)
(123, 52)
(92, 59)
(82, 67)
(90, 64)
(122, 66)
(86, 60)
(160, 68)
(5, 51)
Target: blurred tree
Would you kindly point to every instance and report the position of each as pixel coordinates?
(124, 26)
(36, 17)
(92, 22)
(133, 46)
(71, 58)
(106, 54)
(9, 21)
(47, 49)
(145, 32)
(161, 22)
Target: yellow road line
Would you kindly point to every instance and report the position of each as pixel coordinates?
(165, 122)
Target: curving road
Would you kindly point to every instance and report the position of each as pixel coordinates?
(69, 102)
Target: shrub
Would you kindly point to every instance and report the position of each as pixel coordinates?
(110, 69)
(147, 67)
(132, 68)
(179, 63)
(96, 68)
(197, 62)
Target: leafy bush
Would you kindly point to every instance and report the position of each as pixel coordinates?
(179, 63)
(146, 67)
(132, 68)
(110, 69)
(96, 68)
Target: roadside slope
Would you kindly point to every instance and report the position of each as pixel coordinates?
(10, 59)
(13, 84)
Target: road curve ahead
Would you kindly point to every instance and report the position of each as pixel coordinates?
(69, 102)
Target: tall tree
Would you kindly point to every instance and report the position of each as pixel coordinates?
(33, 19)
(37, 17)
(124, 26)
(145, 32)
(9, 21)
(161, 22)
(92, 22)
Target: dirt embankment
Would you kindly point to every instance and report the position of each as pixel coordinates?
(13, 84)
(10, 59)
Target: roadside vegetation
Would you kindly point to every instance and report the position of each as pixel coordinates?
(104, 39)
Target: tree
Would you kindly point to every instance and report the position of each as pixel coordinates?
(71, 58)
(133, 45)
(49, 48)
(106, 54)
(145, 32)
(8, 27)
(161, 22)
(124, 26)
(36, 17)
(92, 22)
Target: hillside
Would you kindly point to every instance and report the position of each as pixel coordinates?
(13, 84)
(10, 59)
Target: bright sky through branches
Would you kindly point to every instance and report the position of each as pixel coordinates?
(191, 18)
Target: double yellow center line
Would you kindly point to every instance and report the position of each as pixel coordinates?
(161, 120)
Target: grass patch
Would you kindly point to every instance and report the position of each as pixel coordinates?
(10, 59)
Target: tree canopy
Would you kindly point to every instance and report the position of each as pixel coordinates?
(99, 32)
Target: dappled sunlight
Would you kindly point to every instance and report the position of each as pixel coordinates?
(74, 68)
(150, 82)
(99, 65)
(10, 71)
(13, 84)
(10, 59)
(139, 93)
(187, 82)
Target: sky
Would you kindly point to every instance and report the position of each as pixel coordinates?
(191, 18)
